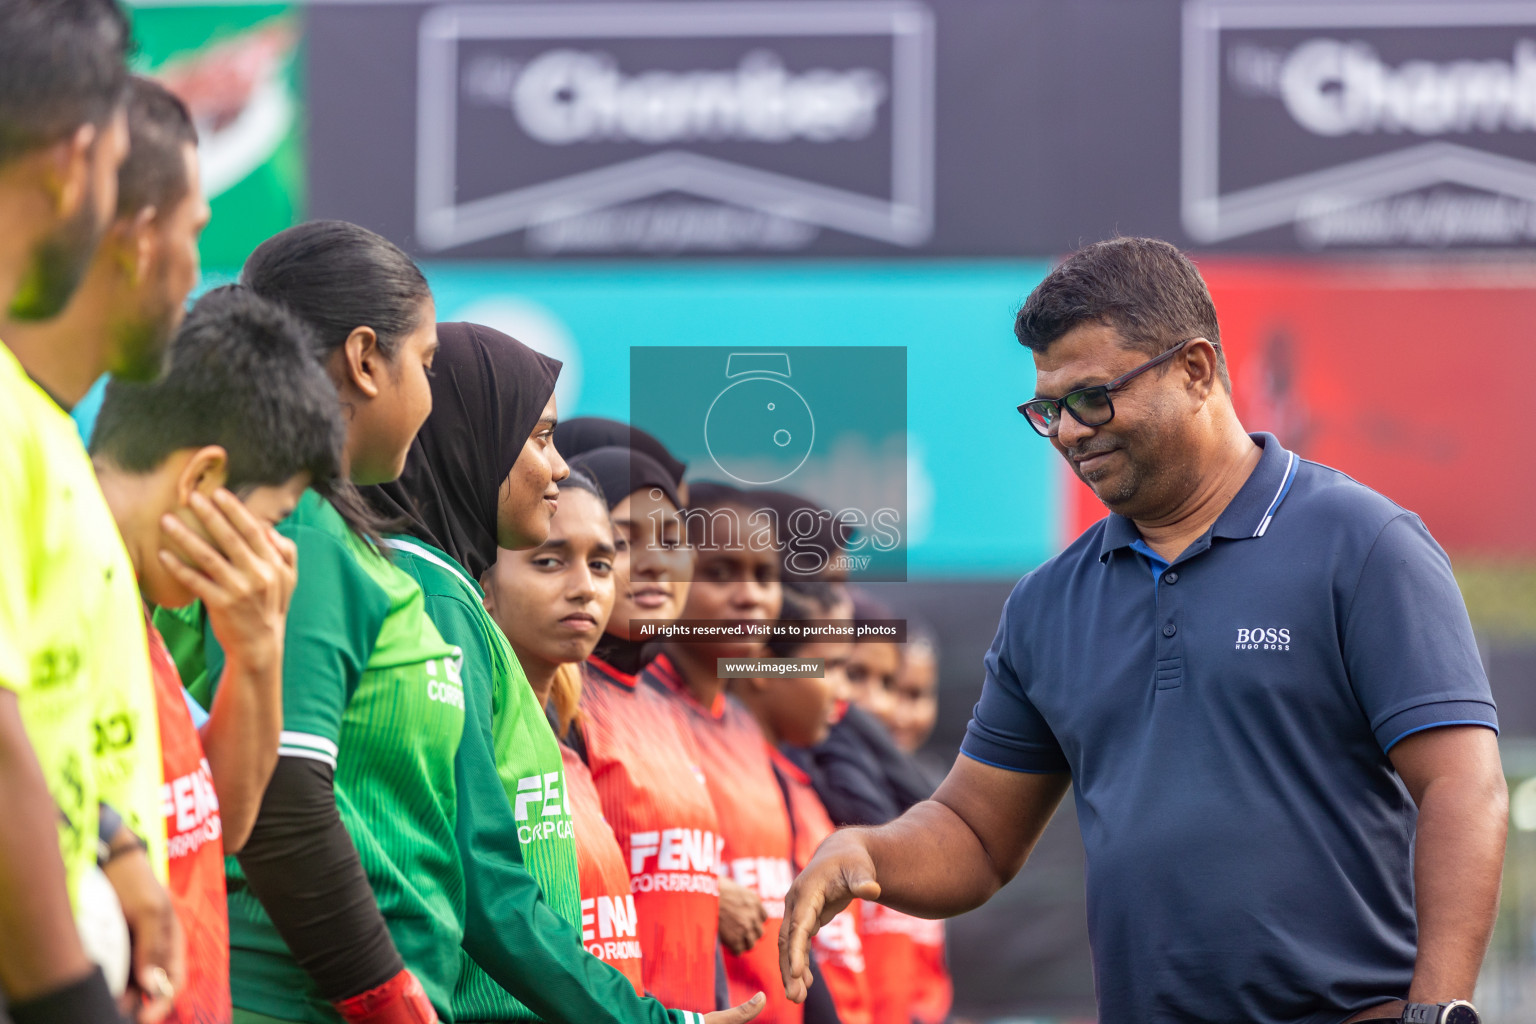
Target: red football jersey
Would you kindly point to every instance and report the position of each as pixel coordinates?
(645, 767)
(196, 847)
(608, 919)
(838, 948)
(756, 848)
(908, 978)
(935, 989)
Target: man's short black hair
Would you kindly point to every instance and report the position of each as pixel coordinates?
(159, 127)
(240, 376)
(1144, 288)
(62, 65)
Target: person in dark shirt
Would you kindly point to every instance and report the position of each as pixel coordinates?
(1256, 676)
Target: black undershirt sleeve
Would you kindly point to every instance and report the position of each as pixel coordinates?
(301, 864)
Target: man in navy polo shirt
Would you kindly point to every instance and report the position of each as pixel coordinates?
(1258, 677)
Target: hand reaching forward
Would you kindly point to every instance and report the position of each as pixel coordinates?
(840, 873)
(737, 1014)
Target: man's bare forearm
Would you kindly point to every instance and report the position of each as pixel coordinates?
(40, 949)
(930, 864)
(1458, 862)
(943, 857)
(949, 854)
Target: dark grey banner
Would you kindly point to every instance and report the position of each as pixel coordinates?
(896, 128)
(1332, 124)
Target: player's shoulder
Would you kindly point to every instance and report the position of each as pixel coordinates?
(740, 725)
(1052, 574)
(1329, 505)
(315, 523)
(441, 579)
(333, 577)
(34, 433)
(23, 464)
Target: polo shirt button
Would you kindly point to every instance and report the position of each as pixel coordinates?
(1171, 578)
(1170, 629)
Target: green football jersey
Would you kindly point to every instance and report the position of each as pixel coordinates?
(533, 775)
(533, 780)
(371, 688)
(527, 753)
(513, 938)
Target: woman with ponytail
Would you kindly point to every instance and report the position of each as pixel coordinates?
(338, 900)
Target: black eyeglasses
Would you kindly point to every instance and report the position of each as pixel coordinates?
(1090, 406)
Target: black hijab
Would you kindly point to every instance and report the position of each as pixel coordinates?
(589, 433)
(488, 391)
(621, 472)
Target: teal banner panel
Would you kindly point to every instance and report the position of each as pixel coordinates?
(983, 491)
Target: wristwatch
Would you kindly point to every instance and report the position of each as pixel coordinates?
(1457, 1011)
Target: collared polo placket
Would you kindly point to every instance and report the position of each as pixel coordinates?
(1169, 674)
(1167, 639)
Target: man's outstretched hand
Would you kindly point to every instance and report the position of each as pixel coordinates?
(840, 873)
(738, 1014)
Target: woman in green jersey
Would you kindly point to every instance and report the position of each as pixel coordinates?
(482, 474)
(340, 898)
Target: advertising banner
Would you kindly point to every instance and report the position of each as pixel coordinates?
(899, 393)
(1362, 368)
(902, 128)
(1359, 124)
(719, 127)
(237, 67)
(623, 118)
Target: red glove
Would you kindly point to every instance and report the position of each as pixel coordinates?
(400, 1000)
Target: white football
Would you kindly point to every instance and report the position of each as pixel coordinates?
(103, 929)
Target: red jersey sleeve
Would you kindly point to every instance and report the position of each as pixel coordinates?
(755, 850)
(194, 833)
(609, 923)
(838, 948)
(645, 769)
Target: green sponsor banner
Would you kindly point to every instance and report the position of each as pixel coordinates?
(238, 67)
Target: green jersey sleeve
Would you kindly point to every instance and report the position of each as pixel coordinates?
(510, 931)
(334, 620)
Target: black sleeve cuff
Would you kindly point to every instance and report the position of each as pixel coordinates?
(300, 863)
(87, 1001)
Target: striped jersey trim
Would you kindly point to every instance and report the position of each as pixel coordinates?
(1285, 487)
(421, 552)
(302, 744)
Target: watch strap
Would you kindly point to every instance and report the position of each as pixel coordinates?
(1458, 1010)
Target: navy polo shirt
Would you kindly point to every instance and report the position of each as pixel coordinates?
(1226, 722)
